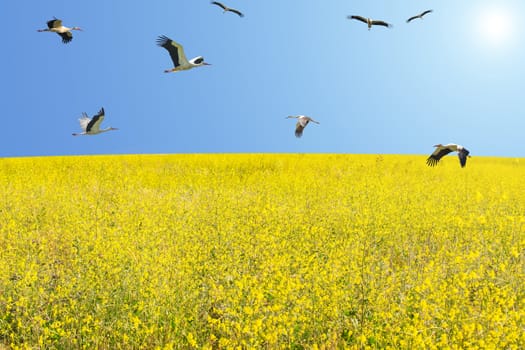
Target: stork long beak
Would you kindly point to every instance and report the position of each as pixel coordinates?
(206, 64)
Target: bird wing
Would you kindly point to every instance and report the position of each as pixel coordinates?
(175, 49)
(462, 154)
(381, 23)
(66, 37)
(54, 23)
(359, 18)
(237, 12)
(94, 125)
(219, 4)
(425, 12)
(412, 18)
(299, 127)
(439, 153)
(84, 121)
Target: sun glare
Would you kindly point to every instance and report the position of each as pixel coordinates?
(494, 27)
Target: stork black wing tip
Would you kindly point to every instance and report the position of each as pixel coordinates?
(431, 161)
(162, 40)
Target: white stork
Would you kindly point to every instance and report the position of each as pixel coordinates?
(226, 8)
(55, 26)
(420, 16)
(178, 57)
(91, 126)
(443, 150)
(370, 22)
(302, 122)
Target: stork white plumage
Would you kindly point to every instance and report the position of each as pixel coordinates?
(55, 26)
(302, 122)
(420, 16)
(228, 9)
(91, 126)
(178, 57)
(443, 150)
(370, 22)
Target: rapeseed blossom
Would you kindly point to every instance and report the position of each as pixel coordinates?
(261, 251)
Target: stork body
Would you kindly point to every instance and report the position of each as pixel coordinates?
(227, 9)
(370, 22)
(55, 26)
(91, 126)
(302, 122)
(443, 150)
(176, 51)
(420, 16)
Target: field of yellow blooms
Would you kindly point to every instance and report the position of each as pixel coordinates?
(261, 251)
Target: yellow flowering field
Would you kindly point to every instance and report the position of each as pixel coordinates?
(314, 251)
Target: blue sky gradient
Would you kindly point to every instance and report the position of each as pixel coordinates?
(399, 90)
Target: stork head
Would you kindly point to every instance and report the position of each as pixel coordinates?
(77, 28)
(199, 61)
(438, 145)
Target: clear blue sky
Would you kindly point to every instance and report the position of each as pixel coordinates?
(455, 76)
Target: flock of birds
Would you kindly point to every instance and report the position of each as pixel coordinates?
(91, 126)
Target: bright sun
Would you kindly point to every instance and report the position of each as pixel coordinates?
(494, 26)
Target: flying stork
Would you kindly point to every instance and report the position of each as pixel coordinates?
(370, 22)
(226, 8)
(420, 16)
(443, 150)
(91, 126)
(178, 57)
(55, 26)
(302, 122)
